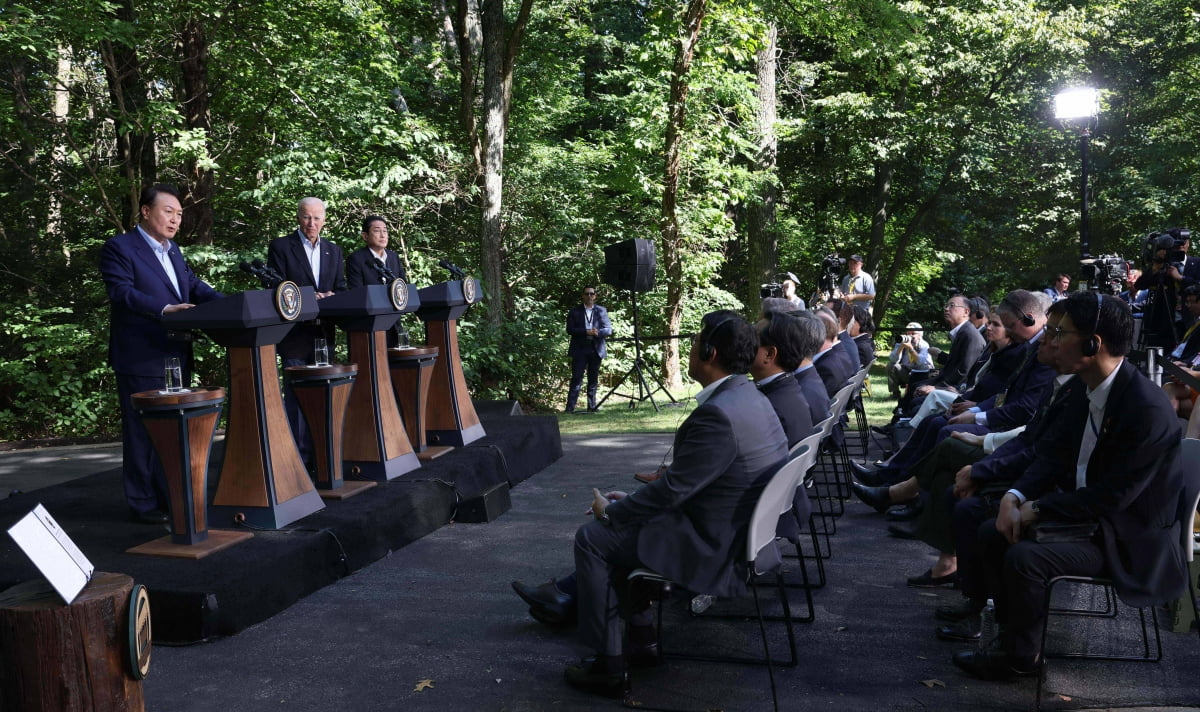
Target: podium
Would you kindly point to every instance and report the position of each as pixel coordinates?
(375, 444)
(262, 481)
(323, 392)
(451, 418)
(181, 426)
(411, 368)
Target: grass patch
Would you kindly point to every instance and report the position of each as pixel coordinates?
(618, 417)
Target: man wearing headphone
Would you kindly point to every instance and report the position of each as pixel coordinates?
(689, 525)
(1109, 467)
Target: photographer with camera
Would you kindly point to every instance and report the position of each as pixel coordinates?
(857, 285)
(911, 353)
(1168, 271)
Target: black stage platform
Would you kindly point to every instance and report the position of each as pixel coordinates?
(247, 583)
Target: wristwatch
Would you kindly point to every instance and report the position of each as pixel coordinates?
(1033, 506)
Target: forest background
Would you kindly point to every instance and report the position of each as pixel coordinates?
(519, 138)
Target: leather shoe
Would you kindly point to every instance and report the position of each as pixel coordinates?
(964, 631)
(591, 675)
(882, 429)
(905, 512)
(547, 604)
(993, 665)
(154, 516)
(902, 531)
(875, 497)
(867, 475)
(962, 610)
(649, 477)
(928, 580)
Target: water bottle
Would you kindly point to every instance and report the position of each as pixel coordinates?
(987, 624)
(701, 603)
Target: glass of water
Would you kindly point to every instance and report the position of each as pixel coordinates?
(320, 353)
(174, 374)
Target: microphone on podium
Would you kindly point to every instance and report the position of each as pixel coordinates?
(257, 271)
(454, 270)
(382, 269)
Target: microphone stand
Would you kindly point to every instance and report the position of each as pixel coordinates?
(644, 392)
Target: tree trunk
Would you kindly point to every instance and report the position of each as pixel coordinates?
(672, 240)
(492, 146)
(762, 239)
(881, 193)
(127, 89)
(198, 197)
(61, 107)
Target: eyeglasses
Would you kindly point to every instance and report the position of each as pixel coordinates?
(1057, 332)
(952, 305)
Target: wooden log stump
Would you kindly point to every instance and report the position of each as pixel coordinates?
(60, 658)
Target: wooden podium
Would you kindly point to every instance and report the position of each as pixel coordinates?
(412, 369)
(181, 426)
(376, 446)
(323, 392)
(262, 481)
(451, 415)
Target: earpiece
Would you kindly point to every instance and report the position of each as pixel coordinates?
(707, 351)
(1092, 347)
(1026, 318)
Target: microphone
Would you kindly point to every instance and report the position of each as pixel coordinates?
(270, 273)
(257, 271)
(382, 269)
(455, 272)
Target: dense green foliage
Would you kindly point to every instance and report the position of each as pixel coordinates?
(919, 134)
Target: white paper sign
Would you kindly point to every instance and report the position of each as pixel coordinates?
(53, 552)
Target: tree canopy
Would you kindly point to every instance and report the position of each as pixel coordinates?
(520, 138)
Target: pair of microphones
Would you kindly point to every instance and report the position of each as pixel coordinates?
(269, 278)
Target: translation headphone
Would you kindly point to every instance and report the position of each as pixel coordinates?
(1092, 347)
(707, 350)
(1026, 318)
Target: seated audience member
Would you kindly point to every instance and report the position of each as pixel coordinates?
(862, 329)
(1023, 315)
(1186, 355)
(845, 316)
(1124, 479)
(945, 473)
(911, 353)
(811, 337)
(690, 525)
(772, 369)
(833, 364)
(979, 313)
(966, 344)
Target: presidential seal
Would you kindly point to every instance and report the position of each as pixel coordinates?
(470, 290)
(139, 632)
(399, 294)
(287, 300)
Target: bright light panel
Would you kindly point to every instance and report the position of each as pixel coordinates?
(1081, 103)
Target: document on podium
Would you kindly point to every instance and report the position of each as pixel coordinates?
(53, 552)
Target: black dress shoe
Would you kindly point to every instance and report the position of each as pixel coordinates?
(875, 497)
(154, 516)
(964, 631)
(867, 475)
(883, 429)
(966, 608)
(592, 675)
(928, 580)
(902, 531)
(547, 604)
(905, 512)
(993, 665)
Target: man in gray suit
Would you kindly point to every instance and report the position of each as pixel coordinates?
(690, 525)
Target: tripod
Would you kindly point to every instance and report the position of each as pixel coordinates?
(644, 392)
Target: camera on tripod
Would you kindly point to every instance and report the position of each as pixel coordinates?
(1165, 249)
(1106, 274)
(775, 289)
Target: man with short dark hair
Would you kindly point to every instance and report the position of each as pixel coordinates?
(966, 343)
(857, 285)
(588, 325)
(690, 525)
(362, 266)
(1058, 290)
(146, 277)
(1110, 466)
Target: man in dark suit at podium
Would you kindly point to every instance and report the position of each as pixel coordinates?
(304, 258)
(588, 325)
(145, 277)
(361, 269)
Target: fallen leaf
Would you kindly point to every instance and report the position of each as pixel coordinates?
(1064, 698)
(423, 685)
(931, 683)
(840, 628)
(497, 681)
(922, 657)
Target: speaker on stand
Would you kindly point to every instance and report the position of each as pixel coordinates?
(630, 265)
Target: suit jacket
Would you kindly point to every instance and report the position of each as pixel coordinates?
(1024, 393)
(1010, 460)
(866, 348)
(359, 270)
(1004, 364)
(287, 256)
(790, 406)
(834, 368)
(138, 289)
(581, 343)
(693, 521)
(964, 351)
(851, 351)
(1133, 488)
(814, 394)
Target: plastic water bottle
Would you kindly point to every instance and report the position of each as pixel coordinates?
(987, 624)
(701, 603)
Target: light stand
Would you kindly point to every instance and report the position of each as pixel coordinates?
(644, 391)
(1080, 105)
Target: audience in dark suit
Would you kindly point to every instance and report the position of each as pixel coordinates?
(146, 277)
(863, 331)
(1112, 460)
(833, 364)
(308, 260)
(690, 525)
(966, 343)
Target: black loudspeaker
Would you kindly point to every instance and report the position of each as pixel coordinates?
(494, 501)
(630, 265)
